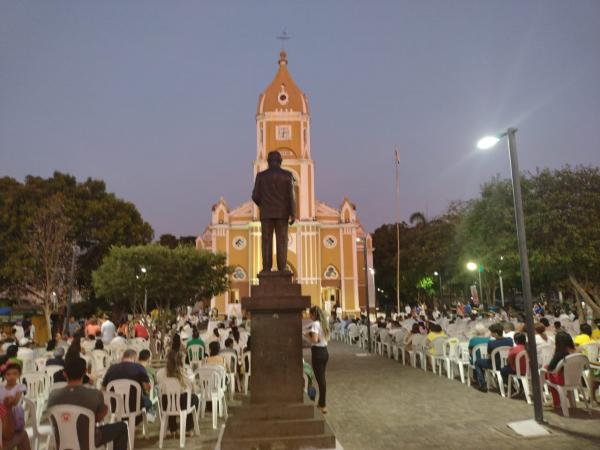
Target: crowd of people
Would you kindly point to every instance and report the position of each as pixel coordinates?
(557, 335)
(135, 349)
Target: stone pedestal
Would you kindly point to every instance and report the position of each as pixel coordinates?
(276, 415)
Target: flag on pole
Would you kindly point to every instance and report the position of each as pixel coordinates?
(397, 156)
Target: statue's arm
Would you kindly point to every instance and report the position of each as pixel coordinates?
(256, 191)
(292, 201)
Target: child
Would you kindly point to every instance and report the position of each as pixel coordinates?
(11, 412)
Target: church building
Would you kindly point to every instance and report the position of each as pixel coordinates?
(326, 245)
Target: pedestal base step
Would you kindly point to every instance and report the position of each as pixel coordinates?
(323, 441)
(277, 427)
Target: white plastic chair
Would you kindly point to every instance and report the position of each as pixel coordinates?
(231, 368)
(522, 377)
(52, 369)
(447, 356)
(247, 361)
(591, 351)
(573, 367)
(493, 375)
(100, 360)
(439, 353)
(170, 405)
(211, 384)
(477, 352)
(195, 354)
(40, 363)
(460, 359)
(64, 420)
(38, 389)
(122, 388)
(34, 430)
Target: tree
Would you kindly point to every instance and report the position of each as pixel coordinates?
(94, 215)
(168, 240)
(173, 278)
(50, 251)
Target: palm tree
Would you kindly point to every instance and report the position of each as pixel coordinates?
(417, 218)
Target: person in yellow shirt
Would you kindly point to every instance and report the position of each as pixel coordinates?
(435, 331)
(596, 331)
(585, 336)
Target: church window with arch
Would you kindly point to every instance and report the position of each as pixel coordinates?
(331, 273)
(239, 274)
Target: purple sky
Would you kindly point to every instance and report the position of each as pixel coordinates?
(158, 98)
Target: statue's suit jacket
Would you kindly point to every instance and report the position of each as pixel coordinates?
(274, 193)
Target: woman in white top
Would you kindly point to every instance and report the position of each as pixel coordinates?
(318, 334)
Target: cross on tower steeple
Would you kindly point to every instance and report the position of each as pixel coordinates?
(284, 36)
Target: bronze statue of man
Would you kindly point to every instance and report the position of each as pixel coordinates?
(274, 194)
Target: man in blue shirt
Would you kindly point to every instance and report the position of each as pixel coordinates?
(496, 330)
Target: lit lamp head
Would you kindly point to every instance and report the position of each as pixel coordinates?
(143, 269)
(471, 266)
(487, 142)
(436, 273)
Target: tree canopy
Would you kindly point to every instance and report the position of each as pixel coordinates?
(96, 219)
(562, 220)
(172, 277)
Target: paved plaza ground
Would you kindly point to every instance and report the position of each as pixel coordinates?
(376, 403)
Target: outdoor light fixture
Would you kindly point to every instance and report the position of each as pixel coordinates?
(435, 273)
(472, 266)
(143, 269)
(487, 142)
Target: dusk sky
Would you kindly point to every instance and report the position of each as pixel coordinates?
(158, 98)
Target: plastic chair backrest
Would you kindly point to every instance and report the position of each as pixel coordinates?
(502, 352)
(169, 394)
(208, 380)
(573, 366)
(64, 420)
(100, 360)
(195, 353)
(248, 362)
(38, 384)
(40, 363)
(123, 389)
(591, 351)
(52, 369)
(479, 352)
(522, 354)
(230, 361)
(545, 353)
(439, 344)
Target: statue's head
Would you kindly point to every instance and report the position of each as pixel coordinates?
(274, 159)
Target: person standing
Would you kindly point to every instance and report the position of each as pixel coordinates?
(108, 330)
(318, 334)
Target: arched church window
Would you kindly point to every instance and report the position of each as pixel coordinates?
(239, 274)
(331, 273)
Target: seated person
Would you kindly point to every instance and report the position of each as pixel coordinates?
(11, 412)
(130, 369)
(511, 367)
(564, 346)
(57, 357)
(174, 370)
(10, 357)
(213, 354)
(228, 346)
(435, 331)
(585, 335)
(479, 338)
(75, 393)
(496, 330)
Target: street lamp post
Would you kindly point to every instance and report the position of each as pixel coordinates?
(439, 275)
(364, 241)
(476, 267)
(501, 288)
(144, 271)
(486, 143)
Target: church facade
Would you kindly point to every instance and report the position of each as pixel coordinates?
(326, 245)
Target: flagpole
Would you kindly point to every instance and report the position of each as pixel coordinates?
(397, 233)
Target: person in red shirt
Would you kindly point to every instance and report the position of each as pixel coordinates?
(140, 331)
(511, 367)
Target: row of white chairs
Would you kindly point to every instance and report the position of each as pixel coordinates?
(452, 356)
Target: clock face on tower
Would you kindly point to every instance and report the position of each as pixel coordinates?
(283, 132)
